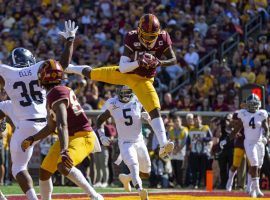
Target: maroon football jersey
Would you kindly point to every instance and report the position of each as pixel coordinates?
(239, 140)
(76, 118)
(132, 42)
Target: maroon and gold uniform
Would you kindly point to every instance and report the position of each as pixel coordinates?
(141, 79)
(74, 110)
(81, 136)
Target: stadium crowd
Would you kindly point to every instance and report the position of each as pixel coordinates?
(195, 26)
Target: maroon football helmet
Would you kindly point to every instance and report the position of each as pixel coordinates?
(148, 30)
(50, 72)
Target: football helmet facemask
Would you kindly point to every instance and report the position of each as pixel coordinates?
(148, 30)
(50, 72)
(253, 103)
(21, 57)
(124, 94)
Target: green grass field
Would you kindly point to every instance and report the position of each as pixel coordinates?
(15, 189)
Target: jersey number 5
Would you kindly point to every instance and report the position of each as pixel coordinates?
(129, 121)
(36, 96)
(252, 123)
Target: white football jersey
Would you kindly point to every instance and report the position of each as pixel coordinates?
(252, 123)
(127, 118)
(21, 85)
(6, 107)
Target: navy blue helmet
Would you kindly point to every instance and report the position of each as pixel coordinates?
(253, 103)
(21, 57)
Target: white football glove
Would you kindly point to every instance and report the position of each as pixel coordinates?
(222, 143)
(104, 140)
(264, 140)
(70, 30)
(146, 116)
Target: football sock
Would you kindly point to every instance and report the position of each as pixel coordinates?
(76, 176)
(135, 175)
(232, 174)
(46, 188)
(249, 182)
(159, 129)
(255, 183)
(31, 194)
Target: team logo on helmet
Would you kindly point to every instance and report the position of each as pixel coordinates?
(50, 72)
(253, 103)
(148, 30)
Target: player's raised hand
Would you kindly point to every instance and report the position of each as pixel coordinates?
(146, 116)
(27, 143)
(66, 159)
(70, 30)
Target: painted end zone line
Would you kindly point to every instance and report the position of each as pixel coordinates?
(153, 193)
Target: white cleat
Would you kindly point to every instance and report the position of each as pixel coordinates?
(98, 197)
(253, 194)
(166, 149)
(125, 179)
(2, 197)
(259, 193)
(229, 185)
(143, 194)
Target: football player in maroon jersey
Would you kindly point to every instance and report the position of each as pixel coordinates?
(144, 50)
(76, 137)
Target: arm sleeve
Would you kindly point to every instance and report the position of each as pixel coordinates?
(125, 64)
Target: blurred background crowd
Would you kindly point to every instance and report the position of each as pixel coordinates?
(196, 28)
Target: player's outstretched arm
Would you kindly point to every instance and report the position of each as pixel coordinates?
(100, 129)
(171, 58)
(82, 70)
(43, 133)
(69, 34)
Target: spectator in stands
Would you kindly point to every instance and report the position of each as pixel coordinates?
(239, 55)
(192, 57)
(239, 79)
(200, 143)
(248, 60)
(178, 134)
(220, 105)
(261, 78)
(201, 25)
(249, 75)
(212, 38)
(168, 102)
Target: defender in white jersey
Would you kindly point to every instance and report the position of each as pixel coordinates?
(20, 81)
(254, 122)
(127, 113)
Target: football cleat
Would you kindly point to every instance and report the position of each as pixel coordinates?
(125, 179)
(2, 197)
(166, 150)
(259, 193)
(143, 194)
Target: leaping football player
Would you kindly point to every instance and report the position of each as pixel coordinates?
(76, 137)
(143, 52)
(128, 113)
(254, 122)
